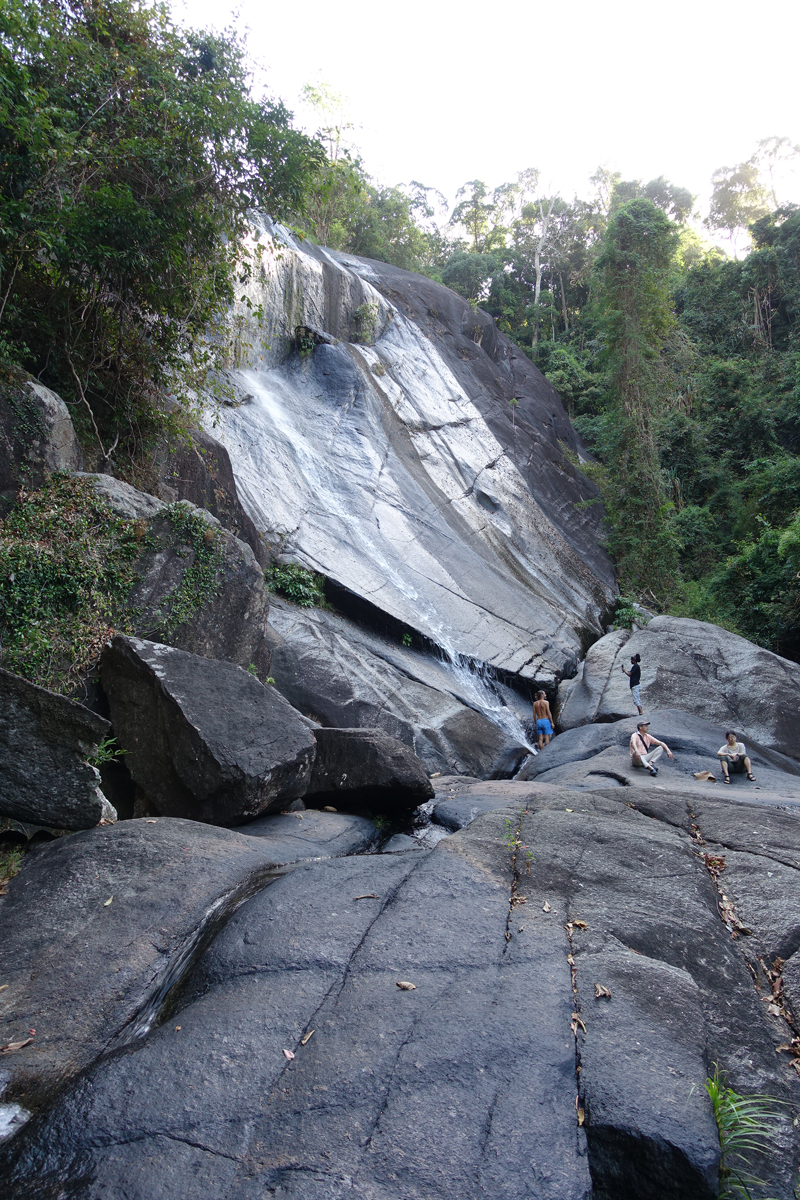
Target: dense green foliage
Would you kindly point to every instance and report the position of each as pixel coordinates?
(130, 152)
(67, 565)
(297, 584)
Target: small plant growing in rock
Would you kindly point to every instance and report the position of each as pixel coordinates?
(745, 1124)
(627, 614)
(108, 751)
(366, 319)
(407, 639)
(297, 584)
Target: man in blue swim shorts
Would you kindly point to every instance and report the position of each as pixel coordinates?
(543, 718)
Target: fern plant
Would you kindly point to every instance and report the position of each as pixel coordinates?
(745, 1124)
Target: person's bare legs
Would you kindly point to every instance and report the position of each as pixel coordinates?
(541, 741)
(725, 769)
(748, 768)
(547, 739)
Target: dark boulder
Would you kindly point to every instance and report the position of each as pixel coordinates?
(217, 609)
(293, 836)
(36, 435)
(98, 928)
(45, 741)
(364, 767)
(203, 738)
(702, 669)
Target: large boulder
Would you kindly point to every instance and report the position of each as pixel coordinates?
(596, 756)
(219, 611)
(364, 767)
(36, 435)
(45, 741)
(296, 1065)
(203, 738)
(308, 833)
(99, 928)
(345, 675)
(699, 668)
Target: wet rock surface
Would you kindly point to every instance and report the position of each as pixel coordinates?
(699, 668)
(36, 435)
(365, 767)
(203, 738)
(389, 462)
(45, 741)
(342, 674)
(466, 1084)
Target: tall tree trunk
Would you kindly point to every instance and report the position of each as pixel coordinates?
(563, 303)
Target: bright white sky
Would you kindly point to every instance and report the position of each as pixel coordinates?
(444, 92)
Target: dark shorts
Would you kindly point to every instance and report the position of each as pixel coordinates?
(544, 726)
(737, 767)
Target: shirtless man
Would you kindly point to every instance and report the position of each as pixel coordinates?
(543, 718)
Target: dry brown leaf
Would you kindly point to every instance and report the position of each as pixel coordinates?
(581, 1116)
(569, 810)
(580, 924)
(329, 808)
(3, 987)
(518, 900)
(306, 1038)
(177, 1028)
(774, 1009)
(570, 960)
(406, 986)
(601, 992)
(520, 929)
(150, 821)
(546, 907)
(576, 1017)
(9, 1046)
(288, 1054)
(368, 896)
(107, 902)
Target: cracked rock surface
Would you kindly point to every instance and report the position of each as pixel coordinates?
(500, 1072)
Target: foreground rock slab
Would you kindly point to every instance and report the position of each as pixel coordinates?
(96, 929)
(699, 668)
(365, 767)
(203, 738)
(45, 740)
(296, 1066)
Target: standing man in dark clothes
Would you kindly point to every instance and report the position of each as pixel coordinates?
(635, 675)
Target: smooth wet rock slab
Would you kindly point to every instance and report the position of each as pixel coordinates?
(343, 675)
(45, 741)
(366, 767)
(290, 837)
(203, 738)
(86, 973)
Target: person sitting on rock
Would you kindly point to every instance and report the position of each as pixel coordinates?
(635, 675)
(733, 757)
(641, 753)
(544, 719)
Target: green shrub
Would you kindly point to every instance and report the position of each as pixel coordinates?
(745, 1124)
(67, 565)
(297, 584)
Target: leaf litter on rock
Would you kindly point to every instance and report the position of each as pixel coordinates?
(11, 1046)
(601, 993)
(405, 986)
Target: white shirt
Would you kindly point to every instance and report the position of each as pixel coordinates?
(736, 748)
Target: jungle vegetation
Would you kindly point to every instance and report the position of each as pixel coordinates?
(132, 149)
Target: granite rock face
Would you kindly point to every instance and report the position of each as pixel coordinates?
(45, 741)
(203, 738)
(308, 833)
(365, 767)
(345, 675)
(296, 1065)
(36, 435)
(387, 459)
(699, 668)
